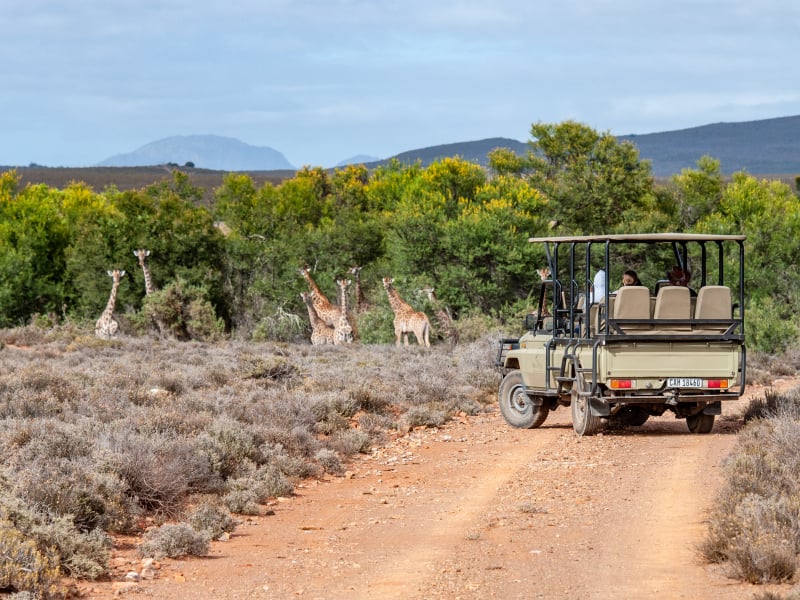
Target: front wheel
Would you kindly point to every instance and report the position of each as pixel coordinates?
(516, 406)
(701, 423)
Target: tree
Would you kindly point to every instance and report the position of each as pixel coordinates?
(591, 178)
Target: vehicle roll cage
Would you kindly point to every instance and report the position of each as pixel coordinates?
(572, 320)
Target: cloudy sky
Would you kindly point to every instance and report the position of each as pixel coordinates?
(324, 80)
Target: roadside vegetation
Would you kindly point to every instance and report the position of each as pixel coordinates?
(754, 526)
(210, 401)
(174, 441)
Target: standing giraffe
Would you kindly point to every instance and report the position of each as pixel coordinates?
(328, 312)
(107, 326)
(406, 319)
(343, 332)
(320, 332)
(148, 282)
(443, 317)
(361, 302)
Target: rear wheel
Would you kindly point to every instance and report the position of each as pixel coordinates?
(516, 406)
(701, 423)
(583, 421)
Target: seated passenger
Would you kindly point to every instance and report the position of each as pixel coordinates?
(630, 277)
(599, 287)
(678, 276)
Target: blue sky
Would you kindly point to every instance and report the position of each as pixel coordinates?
(321, 81)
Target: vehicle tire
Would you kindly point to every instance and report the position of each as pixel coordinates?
(515, 405)
(583, 421)
(632, 416)
(700, 423)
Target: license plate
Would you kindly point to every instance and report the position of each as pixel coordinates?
(684, 382)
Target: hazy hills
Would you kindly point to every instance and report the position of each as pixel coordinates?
(765, 147)
(206, 151)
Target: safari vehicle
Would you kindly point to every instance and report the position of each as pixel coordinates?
(635, 352)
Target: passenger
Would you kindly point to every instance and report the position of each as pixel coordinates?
(678, 276)
(629, 277)
(599, 287)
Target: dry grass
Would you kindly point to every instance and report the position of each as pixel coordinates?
(755, 526)
(98, 435)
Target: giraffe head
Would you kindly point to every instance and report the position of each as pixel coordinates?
(116, 274)
(387, 282)
(141, 255)
(544, 273)
(429, 292)
(355, 270)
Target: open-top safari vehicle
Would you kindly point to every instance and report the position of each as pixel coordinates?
(635, 352)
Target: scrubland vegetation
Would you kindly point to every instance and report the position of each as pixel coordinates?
(210, 401)
(174, 438)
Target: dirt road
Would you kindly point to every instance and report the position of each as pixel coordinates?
(480, 510)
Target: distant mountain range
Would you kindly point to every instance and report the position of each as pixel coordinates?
(205, 151)
(765, 147)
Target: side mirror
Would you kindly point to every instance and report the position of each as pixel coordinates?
(530, 322)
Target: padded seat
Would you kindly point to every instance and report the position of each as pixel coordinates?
(713, 302)
(673, 302)
(632, 302)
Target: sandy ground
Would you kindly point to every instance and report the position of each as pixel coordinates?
(479, 510)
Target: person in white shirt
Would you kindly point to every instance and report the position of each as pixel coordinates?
(599, 288)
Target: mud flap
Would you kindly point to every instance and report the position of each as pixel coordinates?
(715, 408)
(599, 407)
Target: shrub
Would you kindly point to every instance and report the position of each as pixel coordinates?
(770, 328)
(182, 311)
(24, 568)
(755, 525)
(330, 461)
(211, 519)
(426, 416)
(350, 441)
(281, 326)
(174, 541)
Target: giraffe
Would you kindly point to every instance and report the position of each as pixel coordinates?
(328, 312)
(361, 303)
(343, 332)
(148, 282)
(443, 317)
(406, 319)
(544, 275)
(321, 333)
(107, 326)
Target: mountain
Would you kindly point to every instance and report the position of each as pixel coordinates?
(204, 151)
(359, 159)
(765, 147)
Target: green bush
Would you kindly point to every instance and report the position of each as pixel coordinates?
(771, 328)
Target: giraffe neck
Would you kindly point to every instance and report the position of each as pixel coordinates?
(343, 296)
(395, 301)
(148, 283)
(313, 317)
(313, 285)
(112, 299)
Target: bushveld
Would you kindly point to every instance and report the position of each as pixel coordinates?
(103, 437)
(171, 440)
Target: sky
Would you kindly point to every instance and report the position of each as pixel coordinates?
(325, 80)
